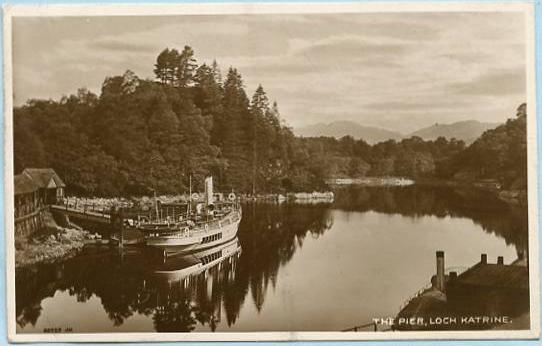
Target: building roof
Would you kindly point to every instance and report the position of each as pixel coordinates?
(495, 275)
(42, 177)
(23, 184)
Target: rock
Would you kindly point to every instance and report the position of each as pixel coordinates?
(49, 248)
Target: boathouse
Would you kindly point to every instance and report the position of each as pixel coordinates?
(27, 206)
(34, 189)
(51, 187)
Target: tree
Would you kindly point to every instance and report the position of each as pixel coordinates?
(499, 154)
(166, 66)
(209, 94)
(197, 124)
(185, 66)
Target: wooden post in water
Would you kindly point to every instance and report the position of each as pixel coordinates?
(117, 223)
(121, 226)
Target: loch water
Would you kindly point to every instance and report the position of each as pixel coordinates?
(293, 267)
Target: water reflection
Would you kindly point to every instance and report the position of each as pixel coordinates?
(177, 292)
(210, 290)
(484, 208)
(189, 289)
(182, 290)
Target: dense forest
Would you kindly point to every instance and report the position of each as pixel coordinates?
(143, 135)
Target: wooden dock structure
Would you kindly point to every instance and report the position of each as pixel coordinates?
(493, 275)
(77, 213)
(491, 290)
(109, 225)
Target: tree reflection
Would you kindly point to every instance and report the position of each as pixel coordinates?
(269, 235)
(483, 208)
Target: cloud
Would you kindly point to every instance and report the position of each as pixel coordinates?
(349, 48)
(121, 46)
(399, 71)
(497, 82)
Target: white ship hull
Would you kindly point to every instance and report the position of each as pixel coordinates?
(195, 240)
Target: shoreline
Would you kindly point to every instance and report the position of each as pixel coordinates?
(51, 243)
(513, 197)
(54, 242)
(44, 248)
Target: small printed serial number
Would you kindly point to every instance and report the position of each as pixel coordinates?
(58, 330)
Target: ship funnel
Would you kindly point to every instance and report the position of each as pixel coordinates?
(209, 191)
(441, 279)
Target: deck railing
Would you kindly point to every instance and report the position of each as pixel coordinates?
(372, 325)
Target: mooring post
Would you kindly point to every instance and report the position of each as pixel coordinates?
(453, 276)
(483, 258)
(121, 226)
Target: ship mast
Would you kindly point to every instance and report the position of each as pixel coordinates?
(156, 206)
(190, 195)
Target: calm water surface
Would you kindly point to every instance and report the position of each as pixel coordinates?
(300, 268)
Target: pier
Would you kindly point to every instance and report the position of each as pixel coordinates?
(84, 214)
(109, 224)
(485, 296)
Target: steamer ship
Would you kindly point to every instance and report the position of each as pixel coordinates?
(204, 224)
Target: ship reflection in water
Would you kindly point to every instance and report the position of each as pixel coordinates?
(188, 287)
(177, 292)
(301, 267)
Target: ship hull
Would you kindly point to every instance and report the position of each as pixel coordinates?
(198, 241)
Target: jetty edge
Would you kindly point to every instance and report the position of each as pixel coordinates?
(484, 296)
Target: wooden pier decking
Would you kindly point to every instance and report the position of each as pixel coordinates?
(95, 216)
(102, 221)
(485, 289)
(491, 275)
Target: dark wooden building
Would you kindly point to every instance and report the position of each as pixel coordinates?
(35, 190)
(51, 187)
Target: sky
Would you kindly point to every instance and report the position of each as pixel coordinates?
(398, 71)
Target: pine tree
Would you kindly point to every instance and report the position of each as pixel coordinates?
(166, 66)
(185, 67)
(208, 91)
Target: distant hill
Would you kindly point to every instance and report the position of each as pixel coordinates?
(468, 131)
(340, 129)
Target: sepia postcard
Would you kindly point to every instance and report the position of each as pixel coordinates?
(271, 172)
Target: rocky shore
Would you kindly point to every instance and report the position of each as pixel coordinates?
(49, 248)
(51, 243)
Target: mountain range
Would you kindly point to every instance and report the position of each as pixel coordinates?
(467, 131)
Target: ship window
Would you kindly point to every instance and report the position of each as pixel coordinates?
(211, 238)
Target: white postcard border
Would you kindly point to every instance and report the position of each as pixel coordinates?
(277, 8)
